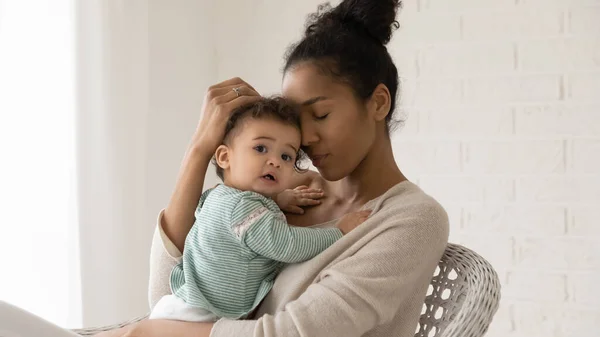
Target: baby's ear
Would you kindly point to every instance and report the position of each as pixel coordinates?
(222, 157)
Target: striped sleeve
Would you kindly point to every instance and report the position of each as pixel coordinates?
(268, 235)
(201, 202)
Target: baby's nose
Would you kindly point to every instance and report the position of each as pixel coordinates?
(275, 162)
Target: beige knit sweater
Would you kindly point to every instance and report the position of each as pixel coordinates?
(371, 283)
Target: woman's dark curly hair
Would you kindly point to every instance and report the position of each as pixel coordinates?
(275, 108)
(348, 42)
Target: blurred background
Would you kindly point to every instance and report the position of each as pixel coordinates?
(98, 99)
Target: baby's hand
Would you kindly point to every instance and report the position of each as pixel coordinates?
(352, 220)
(292, 200)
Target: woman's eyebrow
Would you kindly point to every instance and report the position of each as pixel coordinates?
(313, 100)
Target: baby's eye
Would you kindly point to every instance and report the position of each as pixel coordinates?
(286, 157)
(260, 148)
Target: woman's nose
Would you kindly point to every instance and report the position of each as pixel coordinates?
(309, 135)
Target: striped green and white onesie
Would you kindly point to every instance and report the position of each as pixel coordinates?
(235, 249)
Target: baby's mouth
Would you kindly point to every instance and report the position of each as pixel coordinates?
(269, 177)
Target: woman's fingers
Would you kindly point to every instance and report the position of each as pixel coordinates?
(243, 89)
(219, 101)
(231, 82)
(225, 95)
(239, 101)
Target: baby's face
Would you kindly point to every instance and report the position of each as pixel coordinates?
(262, 156)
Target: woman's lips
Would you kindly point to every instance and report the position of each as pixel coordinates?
(317, 161)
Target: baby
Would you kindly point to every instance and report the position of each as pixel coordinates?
(240, 239)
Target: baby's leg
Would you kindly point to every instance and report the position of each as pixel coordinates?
(173, 308)
(16, 322)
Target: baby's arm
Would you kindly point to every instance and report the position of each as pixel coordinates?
(274, 238)
(268, 234)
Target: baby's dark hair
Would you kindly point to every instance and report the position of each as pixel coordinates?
(348, 42)
(275, 108)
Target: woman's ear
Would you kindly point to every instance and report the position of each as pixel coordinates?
(381, 101)
(222, 156)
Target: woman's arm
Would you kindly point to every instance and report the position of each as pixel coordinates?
(175, 222)
(178, 216)
(219, 101)
(358, 293)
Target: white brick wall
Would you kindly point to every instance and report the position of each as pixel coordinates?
(564, 120)
(503, 105)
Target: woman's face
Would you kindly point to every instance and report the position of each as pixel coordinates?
(337, 132)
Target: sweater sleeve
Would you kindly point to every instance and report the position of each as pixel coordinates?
(266, 233)
(164, 255)
(358, 293)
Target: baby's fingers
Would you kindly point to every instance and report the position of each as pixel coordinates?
(312, 195)
(308, 202)
(361, 215)
(294, 209)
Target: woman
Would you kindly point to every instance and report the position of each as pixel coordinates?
(373, 281)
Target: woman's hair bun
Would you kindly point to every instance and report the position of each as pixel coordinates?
(374, 18)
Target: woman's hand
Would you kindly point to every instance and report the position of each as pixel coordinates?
(220, 100)
(292, 201)
(161, 328)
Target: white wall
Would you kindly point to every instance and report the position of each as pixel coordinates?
(143, 69)
(503, 127)
(182, 63)
(112, 119)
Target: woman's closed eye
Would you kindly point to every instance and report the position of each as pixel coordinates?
(321, 117)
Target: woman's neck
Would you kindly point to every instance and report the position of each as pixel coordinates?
(376, 174)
